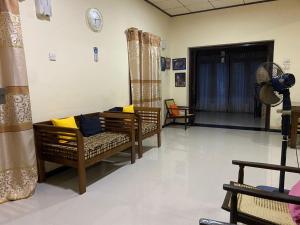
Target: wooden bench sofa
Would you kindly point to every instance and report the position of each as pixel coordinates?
(53, 144)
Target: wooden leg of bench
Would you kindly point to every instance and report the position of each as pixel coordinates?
(133, 154)
(41, 170)
(82, 179)
(159, 139)
(140, 148)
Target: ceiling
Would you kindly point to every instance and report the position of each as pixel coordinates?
(183, 7)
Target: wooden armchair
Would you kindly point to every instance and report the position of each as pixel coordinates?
(180, 112)
(147, 124)
(148, 119)
(250, 205)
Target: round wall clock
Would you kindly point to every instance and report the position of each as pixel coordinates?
(94, 19)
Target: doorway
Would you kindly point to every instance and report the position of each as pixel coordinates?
(223, 88)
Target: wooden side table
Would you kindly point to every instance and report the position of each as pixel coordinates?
(295, 121)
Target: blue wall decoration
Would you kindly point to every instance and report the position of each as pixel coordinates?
(180, 80)
(163, 63)
(179, 64)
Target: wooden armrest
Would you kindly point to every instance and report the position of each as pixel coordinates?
(266, 166)
(116, 115)
(52, 128)
(183, 107)
(275, 196)
(147, 109)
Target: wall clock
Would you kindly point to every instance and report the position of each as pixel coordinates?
(94, 19)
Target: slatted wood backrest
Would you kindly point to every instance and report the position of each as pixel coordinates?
(57, 142)
(168, 103)
(117, 122)
(149, 114)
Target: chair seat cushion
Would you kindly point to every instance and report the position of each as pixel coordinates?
(100, 143)
(93, 145)
(269, 210)
(148, 127)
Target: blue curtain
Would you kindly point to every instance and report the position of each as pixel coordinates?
(203, 84)
(228, 86)
(212, 83)
(243, 86)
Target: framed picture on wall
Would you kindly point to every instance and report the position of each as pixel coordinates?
(168, 63)
(163, 63)
(179, 64)
(180, 80)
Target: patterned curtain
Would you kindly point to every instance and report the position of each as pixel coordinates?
(18, 174)
(144, 66)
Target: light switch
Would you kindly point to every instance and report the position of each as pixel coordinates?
(2, 96)
(96, 54)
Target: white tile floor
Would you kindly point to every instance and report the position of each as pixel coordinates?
(174, 185)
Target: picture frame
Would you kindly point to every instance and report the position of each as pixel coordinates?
(163, 63)
(180, 79)
(168, 63)
(179, 64)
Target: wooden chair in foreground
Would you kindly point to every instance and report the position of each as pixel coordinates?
(250, 205)
(175, 112)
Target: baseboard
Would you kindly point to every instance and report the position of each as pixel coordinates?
(275, 130)
(174, 123)
(225, 127)
(230, 127)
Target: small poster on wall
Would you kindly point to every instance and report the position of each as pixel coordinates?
(179, 64)
(180, 80)
(163, 63)
(168, 63)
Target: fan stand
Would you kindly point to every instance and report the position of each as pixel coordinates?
(285, 130)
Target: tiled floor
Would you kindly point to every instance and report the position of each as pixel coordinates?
(174, 185)
(229, 119)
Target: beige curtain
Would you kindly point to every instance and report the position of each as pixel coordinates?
(144, 68)
(18, 173)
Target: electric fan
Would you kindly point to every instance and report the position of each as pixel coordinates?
(274, 90)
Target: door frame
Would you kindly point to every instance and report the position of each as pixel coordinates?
(192, 70)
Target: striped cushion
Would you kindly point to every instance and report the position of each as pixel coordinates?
(93, 145)
(148, 127)
(100, 143)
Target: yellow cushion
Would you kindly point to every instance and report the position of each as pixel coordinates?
(68, 123)
(128, 109)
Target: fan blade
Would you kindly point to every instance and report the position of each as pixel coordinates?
(268, 96)
(262, 75)
(276, 70)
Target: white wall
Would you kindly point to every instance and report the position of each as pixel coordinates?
(279, 21)
(74, 84)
